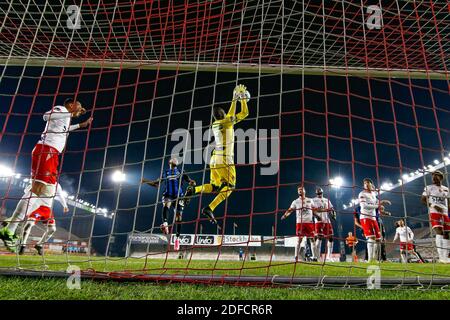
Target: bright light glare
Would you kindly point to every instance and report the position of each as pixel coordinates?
(386, 186)
(436, 161)
(337, 182)
(5, 171)
(118, 176)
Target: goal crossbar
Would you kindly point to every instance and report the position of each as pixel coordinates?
(225, 67)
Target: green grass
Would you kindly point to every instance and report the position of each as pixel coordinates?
(27, 288)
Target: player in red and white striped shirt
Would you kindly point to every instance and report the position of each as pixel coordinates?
(369, 203)
(323, 229)
(303, 207)
(406, 236)
(435, 197)
(44, 164)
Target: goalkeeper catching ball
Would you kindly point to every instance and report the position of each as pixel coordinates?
(222, 169)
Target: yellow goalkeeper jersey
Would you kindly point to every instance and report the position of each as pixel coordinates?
(223, 130)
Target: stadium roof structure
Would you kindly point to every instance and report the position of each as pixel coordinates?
(250, 36)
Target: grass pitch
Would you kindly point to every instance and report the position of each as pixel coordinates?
(46, 288)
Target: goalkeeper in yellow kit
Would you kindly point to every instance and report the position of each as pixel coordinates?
(222, 169)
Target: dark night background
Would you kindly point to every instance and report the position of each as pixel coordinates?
(334, 126)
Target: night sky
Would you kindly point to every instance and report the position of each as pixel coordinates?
(347, 126)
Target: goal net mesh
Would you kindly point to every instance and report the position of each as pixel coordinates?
(340, 91)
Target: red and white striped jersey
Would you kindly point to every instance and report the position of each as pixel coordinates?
(369, 202)
(323, 204)
(303, 210)
(57, 128)
(437, 195)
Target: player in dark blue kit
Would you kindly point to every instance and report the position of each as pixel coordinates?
(173, 179)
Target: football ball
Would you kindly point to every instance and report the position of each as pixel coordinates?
(246, 96)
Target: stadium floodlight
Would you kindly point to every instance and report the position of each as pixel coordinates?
(17, 176)
(337, 182)
(26, 180)
(405, 176)
(5, 171)
(118, 176)
(436, 161)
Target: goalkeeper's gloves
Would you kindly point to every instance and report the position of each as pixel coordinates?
(239, 92)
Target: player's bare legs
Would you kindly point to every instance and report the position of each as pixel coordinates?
(316, 247)
(49, 231)
(372, 248)
(26, 233)
(28, 203)
(300, 248)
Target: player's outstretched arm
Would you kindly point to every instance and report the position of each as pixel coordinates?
(83, 124)
(153, 183)
(188, 179)
(424, 198)
(86, 123)
(396, 236)
(244, 107)
(59, 196)
(287, 213)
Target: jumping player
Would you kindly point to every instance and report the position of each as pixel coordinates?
(45, 215)
(435, 197)
(369, 204)
(303, 207)
(222, 169)
(323, 229)
(173, 179)
(44, 167)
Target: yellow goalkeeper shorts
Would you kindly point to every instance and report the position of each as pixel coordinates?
(222, 170)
